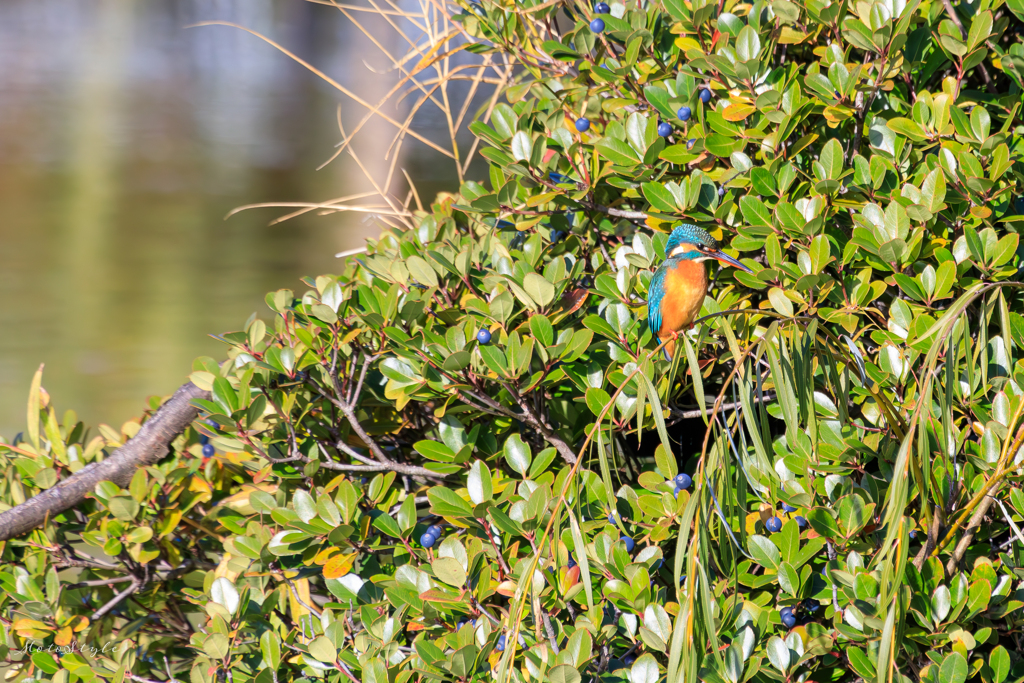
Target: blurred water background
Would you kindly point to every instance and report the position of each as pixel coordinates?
(125, 139)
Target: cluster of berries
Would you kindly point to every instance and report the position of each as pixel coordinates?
(430, 536)
(789, 614)
(682, 482)
(664, 128)
(774, 524)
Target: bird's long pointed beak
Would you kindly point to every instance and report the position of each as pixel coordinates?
(725, 258)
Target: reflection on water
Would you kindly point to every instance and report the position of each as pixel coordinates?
(125, 138)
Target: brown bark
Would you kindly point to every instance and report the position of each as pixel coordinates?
(145, 448)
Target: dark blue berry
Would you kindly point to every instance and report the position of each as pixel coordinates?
(602, 8)
(434, 530)
(801, 522)
(774, 525)
(597, 25)
(721, 191)
(690, 143)
(664, 129)
(558, 178)
(913, 534)
(811, 605)
(684, 113)
(788, 618)
(208, 450)
(683, 481)
(204, 439)
(628, 661)
(705, 95)
(630, 543)
(582, 124)
(786, 507)
(484, 336)
(682, 579)
(500, 647)
(210, 422)
(428, 540)
(611, 518)
(572, 563)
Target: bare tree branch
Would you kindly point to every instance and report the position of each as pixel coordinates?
(145, 448)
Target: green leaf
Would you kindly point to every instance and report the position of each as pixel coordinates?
(755, 212)
(34, 407)
(821, 521)
(539, 289)
(953, 669)
(658, 97)
(323, 649)
(748, 44)
(831, 159)
(542, 330)
(617, 151)
(860, 663)
(763, 551)
(907, 128)
(1005, 250)
(999, 662)
(580, 546)
(659, 197)
(522, 146)
(563, 673)
(820, 253)
(981, 28)
(224, 396)
(449, 570)
(640, 133)
(789, 579)
(433, 450)
(270, 647)
(517, 454)
(444, 502)
(494, 360)
(730, 23)
(305, 506)
(980, 122)
(780, 302)
(504, 121)
(597, 399)
(421, 271)
(216, 646)
(387, 524)
(479, 483)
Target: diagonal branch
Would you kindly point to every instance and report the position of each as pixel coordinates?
(116, 600)
(532, 419)
(147, 447)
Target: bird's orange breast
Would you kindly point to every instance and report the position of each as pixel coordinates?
(685, 287)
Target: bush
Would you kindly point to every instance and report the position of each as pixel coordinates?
(459, 458)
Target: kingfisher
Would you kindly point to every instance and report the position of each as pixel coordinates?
(680, 283)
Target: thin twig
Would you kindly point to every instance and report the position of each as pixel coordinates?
(116, 600)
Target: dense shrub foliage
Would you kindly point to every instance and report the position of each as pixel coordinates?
(467, 458)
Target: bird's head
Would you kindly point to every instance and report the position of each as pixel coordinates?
(691, 243)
